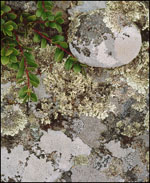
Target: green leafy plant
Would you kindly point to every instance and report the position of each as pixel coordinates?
(16, 56)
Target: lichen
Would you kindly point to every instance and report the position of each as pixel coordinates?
(146, 121)
(129, 11)
(81, 160)
(74, 94)
(12, 120)
(130, 130)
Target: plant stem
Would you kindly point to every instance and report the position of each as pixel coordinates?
(51, 42)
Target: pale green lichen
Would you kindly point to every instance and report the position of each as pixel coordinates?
(124, 12)
(81, 160)
(12, 120)
(146, 121)
(130, 130)
(76, 94)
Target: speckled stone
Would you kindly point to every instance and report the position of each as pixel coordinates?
(94, 44)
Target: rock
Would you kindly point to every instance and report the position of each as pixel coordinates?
(85, 6)
(28, 6)
(94, 44)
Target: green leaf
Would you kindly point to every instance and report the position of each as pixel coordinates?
(63, 44)
(9, 33)
(44, 16)
(72, 58)
(15, 51)
(59, 28)
(50, 16)
(21, 18)
(47, 24)
(10, 22)
(59, 54)
(29, 56)
(34, 78)
(58, 14)
(48, 4)
(52, 25)
(34, 83)
(5, 60)
(8, 52)
(9, 27)
(21, 80)
(31, 18)
(21, 69)
(56, 26)
(6, 8)
(45, 34)
(27, 48)
(2, 21)
(77, 67)
(3, 52)
(25, 98)
(31, 68)
(58, 38)
(23, 92)
(13, 59)
(59, 20)
(33, 97)
(14, 66)
(68, 64)
(39, 4)
(39, 12)
(12, 16)
(43, 43)
(2, 12)
(36, 38)
(32, 63)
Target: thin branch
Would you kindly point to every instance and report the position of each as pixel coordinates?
(51, 42)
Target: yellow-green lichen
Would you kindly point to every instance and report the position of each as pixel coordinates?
(12, 120)
(130, 130)
(81, 160)
(146, 121)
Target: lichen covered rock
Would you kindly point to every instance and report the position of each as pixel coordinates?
(95, 44)
(13, 120)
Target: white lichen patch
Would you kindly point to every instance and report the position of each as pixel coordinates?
(13, 164)
(12, 120)
(59, 142)
(38, 170)
(116, 150)
(76, 94)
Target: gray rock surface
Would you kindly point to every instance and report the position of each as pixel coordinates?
(86, 6)
(94, 44)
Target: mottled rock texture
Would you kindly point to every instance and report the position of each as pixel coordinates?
(94, 44)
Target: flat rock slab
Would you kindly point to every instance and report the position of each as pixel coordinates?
(94, 44)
